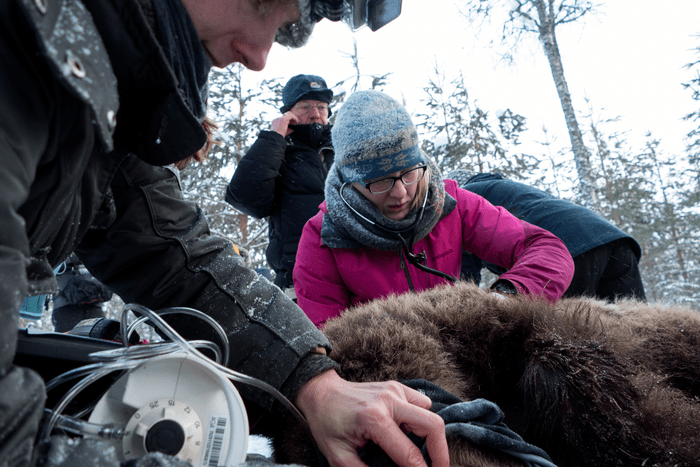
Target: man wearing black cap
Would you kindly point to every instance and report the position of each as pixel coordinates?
(283, 174)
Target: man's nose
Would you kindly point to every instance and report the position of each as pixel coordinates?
(255, 59)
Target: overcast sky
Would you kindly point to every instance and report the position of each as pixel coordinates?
(627, 60)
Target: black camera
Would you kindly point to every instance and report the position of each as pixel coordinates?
(357, 13)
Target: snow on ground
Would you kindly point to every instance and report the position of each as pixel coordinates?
(259, 445)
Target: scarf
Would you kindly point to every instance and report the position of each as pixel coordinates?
(313, 135)
(478, 421)
(342, 228)
(181, 44)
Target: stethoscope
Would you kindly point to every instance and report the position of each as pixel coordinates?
(416, 260)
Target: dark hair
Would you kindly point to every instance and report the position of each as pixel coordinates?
(210, 127)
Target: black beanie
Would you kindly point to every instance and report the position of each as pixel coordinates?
(305, 87)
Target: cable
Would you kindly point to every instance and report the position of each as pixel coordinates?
(233, 375)
(103, 370)
(82, 427)
(181, 310)
(129, 357)
(151, 350)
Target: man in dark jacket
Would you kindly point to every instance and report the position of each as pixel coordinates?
(283, 174)
(606, 258)
(98, 99)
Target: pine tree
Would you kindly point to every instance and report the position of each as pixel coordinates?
(376, 82)
(639, 195)
(459, 134)
(675, 261)
(556, 174)
(693, 137)
(240, 114)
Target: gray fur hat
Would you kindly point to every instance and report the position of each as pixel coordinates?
(297, 34)
(373, 136)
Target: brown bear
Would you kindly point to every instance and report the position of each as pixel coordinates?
(591, 383)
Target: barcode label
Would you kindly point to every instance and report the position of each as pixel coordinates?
(215, 441)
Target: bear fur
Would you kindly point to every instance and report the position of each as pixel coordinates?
(591, 383)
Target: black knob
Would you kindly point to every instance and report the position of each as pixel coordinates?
(166, 436)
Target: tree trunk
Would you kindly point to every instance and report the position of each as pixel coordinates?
(581, 154)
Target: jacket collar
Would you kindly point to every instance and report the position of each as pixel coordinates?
(154, 121)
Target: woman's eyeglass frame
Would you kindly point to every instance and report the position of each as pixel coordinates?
(368, 185)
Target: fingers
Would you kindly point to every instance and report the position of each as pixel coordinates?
(343, 416)
(437, 447)
(399, 447)
(345, 456)
(281, 124)
(416, 397)
(293, 119)
(414, 415)
(401, 409)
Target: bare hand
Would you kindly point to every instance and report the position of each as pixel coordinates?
(281, 124)
(343, 416)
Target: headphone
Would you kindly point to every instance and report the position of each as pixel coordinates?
(357, 13)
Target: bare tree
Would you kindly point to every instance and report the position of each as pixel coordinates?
(542, 17)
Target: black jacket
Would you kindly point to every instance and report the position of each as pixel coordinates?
(283, 179)
(70, 181)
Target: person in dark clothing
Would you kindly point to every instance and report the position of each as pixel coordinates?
(283, 174)
(606, 258)
(99, 100)
(80, 296)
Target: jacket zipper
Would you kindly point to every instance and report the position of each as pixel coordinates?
(405, 270)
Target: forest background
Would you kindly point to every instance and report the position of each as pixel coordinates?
(645, 186)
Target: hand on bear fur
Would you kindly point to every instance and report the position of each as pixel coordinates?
(343, 416)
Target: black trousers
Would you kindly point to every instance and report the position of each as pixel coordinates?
(608, 272)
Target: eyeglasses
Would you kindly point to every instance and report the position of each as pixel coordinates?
(385, 184)
(306, 108)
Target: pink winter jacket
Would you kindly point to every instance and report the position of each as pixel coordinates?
(329, 280)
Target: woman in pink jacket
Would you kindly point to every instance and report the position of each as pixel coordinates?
(390, 224)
